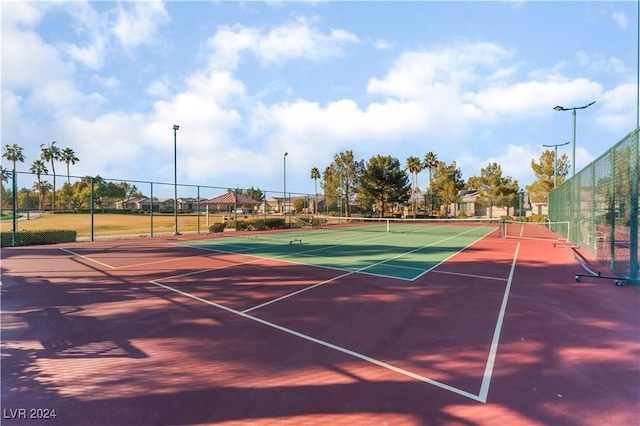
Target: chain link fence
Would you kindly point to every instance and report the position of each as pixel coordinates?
(89, 208)
(601, 203)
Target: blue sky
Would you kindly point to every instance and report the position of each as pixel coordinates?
(474, 82)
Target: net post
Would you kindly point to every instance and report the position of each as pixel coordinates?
(503, 228)
(388, 225)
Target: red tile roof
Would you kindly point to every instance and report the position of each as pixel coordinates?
(229, 198)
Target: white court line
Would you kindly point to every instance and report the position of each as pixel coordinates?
(160, 261)
(454, 254)
(484, 388)
(361, 270)
(328, 345)
(484, 277)
(87, 258)
(297, 292)
(201, 271)
(137, 264)
(333, 279)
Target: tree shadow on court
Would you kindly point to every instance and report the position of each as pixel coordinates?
(66, 334)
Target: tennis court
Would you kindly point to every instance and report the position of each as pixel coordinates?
(369, 248)
(352, 323)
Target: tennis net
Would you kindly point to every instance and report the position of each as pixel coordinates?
(490, 227)
(556, 231)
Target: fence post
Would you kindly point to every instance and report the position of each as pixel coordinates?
(612, 211)
(91, 207)
(633, 219)
(14, 238)
(592, 220)
(151, 209)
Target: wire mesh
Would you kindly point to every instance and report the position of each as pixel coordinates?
(601, 203)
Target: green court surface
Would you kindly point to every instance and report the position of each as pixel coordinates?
(403, 254)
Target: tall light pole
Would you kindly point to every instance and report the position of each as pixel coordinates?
(573, 109)
(284, 191)
(520, 194)
(555, 162)
(175, 179)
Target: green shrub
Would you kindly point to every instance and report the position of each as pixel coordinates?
(217, 228)
(259, 224)
(33, 238)
(274, 223)
(241, 225)
(538, 217)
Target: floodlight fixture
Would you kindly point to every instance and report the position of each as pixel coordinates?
(573, 110)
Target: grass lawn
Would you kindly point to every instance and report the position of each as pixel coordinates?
(110, 224)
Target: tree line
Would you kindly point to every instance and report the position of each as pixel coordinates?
(381, 185)
(49, 154)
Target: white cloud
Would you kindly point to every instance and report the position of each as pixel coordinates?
(91, 56)
(532, 97)
(23, 14)
(27, 61)
(425, 74)
(91, 26)
(381, 44)
(602, 64)
(108, 82)
(618, 108)
(138, 25)
(158, 89)
(516, 161)
(35, 70)
(300, 40)
(296, 40)
(228, 43)
(620, 19)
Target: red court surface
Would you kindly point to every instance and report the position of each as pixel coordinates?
(145, 332)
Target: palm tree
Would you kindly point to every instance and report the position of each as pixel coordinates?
(4, 177)
(430, 162)
(51, 153)
(68, 156)
(14, 154)
(414, 166)
(315, 175)
(42, 188)
(39, 168)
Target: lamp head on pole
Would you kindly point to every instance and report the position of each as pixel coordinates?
(286, 153)
(556, 145)
(176, 127)
(561, 108)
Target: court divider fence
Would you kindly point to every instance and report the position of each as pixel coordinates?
(601, 203)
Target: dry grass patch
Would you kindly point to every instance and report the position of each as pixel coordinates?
(110, 224)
